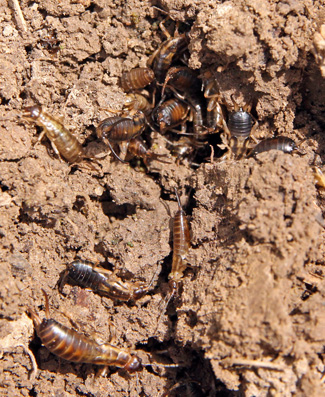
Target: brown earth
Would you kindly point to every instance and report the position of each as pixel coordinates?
(250, 319)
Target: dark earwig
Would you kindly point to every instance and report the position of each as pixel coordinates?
(136, 79)
(282, 143)
(84, 274)
(63, 141)
(73, 346)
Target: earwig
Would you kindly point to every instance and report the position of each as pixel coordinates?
(136, 102)
(169, 50)
(183, 80)
(138, 148)
(73, 346)
(63, 141)
(181, 246)
(123, 130)
(239, 129)
(171, 114)
(282, 143)
(136, 79)
(84, 274)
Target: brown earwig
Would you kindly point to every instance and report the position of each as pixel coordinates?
(282, 143)
(136, 79)
(73, 346)
(171, 113)
(121, 131)
(186, 86)
(183, 80)
(64, 143)
(168, 51)
(84, 274)
(181, 246)
(138, 148)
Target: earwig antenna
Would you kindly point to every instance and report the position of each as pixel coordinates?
(167, 300)
(178, 199)
(113, 151)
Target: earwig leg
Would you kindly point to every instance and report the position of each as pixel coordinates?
(164, 30)
(40, 137)
(62, 281)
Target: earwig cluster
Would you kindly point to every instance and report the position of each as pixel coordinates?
(182, 105)
(186, 108)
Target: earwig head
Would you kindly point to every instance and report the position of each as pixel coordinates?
(134, 365)
(291, 146)
(139, 292)
(32, 112)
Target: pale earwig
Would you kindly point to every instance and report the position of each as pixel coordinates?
(282, 143)
(136, 79)
(73, 346)
(64, 143)
(85, 274)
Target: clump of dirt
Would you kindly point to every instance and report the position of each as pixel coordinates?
(249, 318)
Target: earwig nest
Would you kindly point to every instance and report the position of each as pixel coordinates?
(248, 314)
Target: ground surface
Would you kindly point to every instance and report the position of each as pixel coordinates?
(250, 319)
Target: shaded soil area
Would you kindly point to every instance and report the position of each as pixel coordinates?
(249, 319)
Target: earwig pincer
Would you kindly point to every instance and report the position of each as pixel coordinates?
(281, 143)
(73, 346)
(86, 275)
(64, 143)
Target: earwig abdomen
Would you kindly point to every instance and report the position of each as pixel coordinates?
(136, 79)
(171, 113)
(72, 346)
(83, 274)
(64, 141)
(282, 143)
(240, 124)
